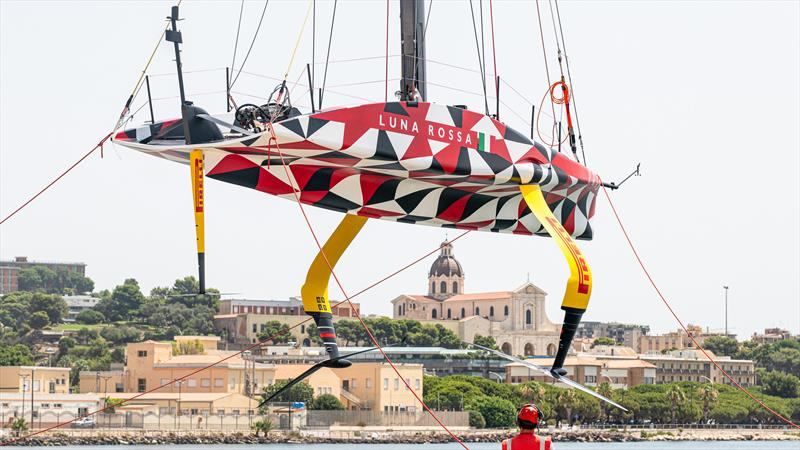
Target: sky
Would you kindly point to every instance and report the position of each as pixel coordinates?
(705, 95)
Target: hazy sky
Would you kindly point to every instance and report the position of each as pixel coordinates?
(704, 94)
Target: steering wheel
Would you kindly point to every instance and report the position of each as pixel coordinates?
(248, 114)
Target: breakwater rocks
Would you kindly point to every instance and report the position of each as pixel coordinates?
(165, 438)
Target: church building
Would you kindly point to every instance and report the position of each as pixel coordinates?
(516, 319)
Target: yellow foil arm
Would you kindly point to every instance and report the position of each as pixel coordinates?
(196, 164)
(579, 285)
(315, 289)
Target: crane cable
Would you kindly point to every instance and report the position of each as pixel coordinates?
(680, 322)
(480, 63)
(494, 57)
(328, 54)
(255, 36)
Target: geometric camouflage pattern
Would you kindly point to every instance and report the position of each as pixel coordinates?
(409, 162)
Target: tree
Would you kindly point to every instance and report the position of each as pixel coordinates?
(326, 402)
(275, 332)
(15, 355)
(262, 427)
(59, 281)
(722, 345)
(19, 426)
(90, 317)
(194, 347)
(485, 341)
(497, 412)
(313, 334)
(780, 384)
(121, 334)
(39, 320)
(676, 397)
(300, 392)
(14, 309)
(124, 302)
(708, 394)
(567, 401)
(606, 391)
(603, 341)
(51, 304)
(532, 392)
(476, 419)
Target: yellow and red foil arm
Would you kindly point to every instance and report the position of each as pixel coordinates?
(315, 290)
(196, 164)
(579, 284)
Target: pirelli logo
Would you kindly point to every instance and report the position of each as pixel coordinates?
(197, 175)
(584, 275)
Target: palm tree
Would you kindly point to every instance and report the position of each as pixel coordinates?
(532, 392)
(606, 391)
(675, 397)
(568, 400)
(708, 394)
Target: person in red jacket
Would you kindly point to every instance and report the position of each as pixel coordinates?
(528, 422)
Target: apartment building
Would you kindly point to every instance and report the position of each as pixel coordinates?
(36, 379)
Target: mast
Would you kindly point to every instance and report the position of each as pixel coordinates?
(412, 49)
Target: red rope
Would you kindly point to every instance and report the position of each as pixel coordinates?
(386, 84)
(677, 319)
(262, 341)
(347, 298)
(99, 145)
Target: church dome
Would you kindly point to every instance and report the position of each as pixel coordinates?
(446, 264)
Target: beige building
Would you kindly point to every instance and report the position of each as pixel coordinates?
(364, 385)
(771, 335)
(36, 379)
(515, 319)
(190, 403)
(151, 364)
(590, 371)
(676, 340)
(47, 408)
(691, 365)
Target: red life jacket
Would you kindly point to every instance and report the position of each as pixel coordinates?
(527, 441)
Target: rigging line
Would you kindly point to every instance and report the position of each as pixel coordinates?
(677, 319)
(555, 32)
(313, 47)
(138, 84)
(571, 85)
(352, 307)
(297, 44)
(238, 29)
(483, 51)
(386, 64)
(480, 64)
(494, 53)
(255, 35)
(185, 72)
(544, 54)
(260, 342)
(99, 145)
(328, 55)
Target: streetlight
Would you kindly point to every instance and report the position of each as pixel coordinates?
(726, 309)
(24, 388)
(105, 396)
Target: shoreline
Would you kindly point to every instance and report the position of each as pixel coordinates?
(216, 438)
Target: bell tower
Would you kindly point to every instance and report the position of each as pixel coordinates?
(446, 277)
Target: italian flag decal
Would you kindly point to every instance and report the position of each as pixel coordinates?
(483, 142)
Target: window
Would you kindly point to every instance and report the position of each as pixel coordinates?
(400, 310)
(141, 385)
(505, 310)
(396, 384)
(385, 384)
(58, 406)
(477, 311)
(528, 318)
(433, 314)
(443, 287)
(491, 311)
(219, 382)
(263, 327)
(302, 329)
(463, 313)
(368, 383)
(255, 328)
(193, 411)
(141, 353)
(205, 382)
(164, 381)
(591, 379)
(408, 383)
(233, 382)
(192, 382)
(119, 387)
(417, 384)
(433, 288)
(352, 383)
(455, 287)
(449, 314)
(45, 405)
